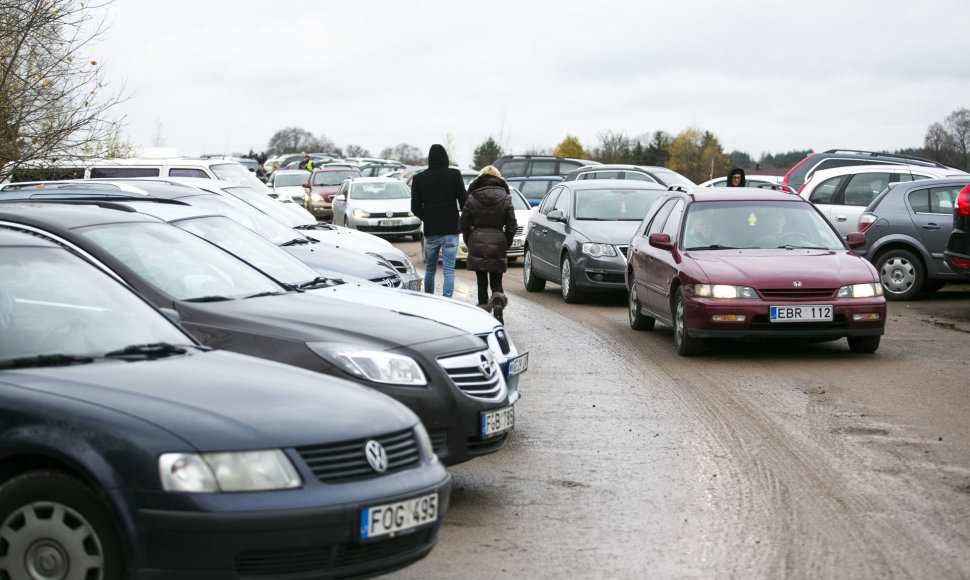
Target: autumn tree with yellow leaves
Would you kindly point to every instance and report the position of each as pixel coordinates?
(54, 103)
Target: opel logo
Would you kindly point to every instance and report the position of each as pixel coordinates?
(797, 284)
(486, 367)
(376, 456)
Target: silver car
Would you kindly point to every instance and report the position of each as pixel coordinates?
(377, 205)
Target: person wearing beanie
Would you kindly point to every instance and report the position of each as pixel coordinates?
(487, 224)
(437, 195)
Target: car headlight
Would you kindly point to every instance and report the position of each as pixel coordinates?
(598, 250)
(316, 197)
(724, 291)
(359, 213)
(225, 472)
(424, 441)
(861, 290)
(372, 365)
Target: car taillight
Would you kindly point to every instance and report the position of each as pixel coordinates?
(866, 220)
(962, 206)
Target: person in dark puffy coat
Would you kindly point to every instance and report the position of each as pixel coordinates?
(487, 224)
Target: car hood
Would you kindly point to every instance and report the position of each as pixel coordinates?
(779, 268)
(607, 232)
(324, 256)
(310, 318)
(222, 400)
(291, 190)
(382, 205)
(448, 311)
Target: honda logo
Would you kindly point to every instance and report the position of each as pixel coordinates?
(797, 284)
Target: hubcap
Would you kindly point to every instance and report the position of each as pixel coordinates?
(634, 307)
(897, 275)
(48, 541)
(681, 325)
(565, 277)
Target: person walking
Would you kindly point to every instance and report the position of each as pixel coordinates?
(487, 224)
(437, 194)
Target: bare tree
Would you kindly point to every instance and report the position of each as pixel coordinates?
(357, 151)
(938, 144)
(958, 126)
(53, 98)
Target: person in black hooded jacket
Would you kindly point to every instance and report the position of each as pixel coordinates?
(488, 225)
(736, 178)
(437, 194)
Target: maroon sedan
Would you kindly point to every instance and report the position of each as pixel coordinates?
(750, 264)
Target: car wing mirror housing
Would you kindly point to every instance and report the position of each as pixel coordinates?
(855, 239)
(661, 241)
(556, 216)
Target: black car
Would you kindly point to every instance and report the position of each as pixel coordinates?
(579, 235)
(447, 376)
(958, 244)
(128, 449)
(907, 227)
(538, 165)
(804, 169)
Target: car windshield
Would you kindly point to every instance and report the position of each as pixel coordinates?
(395, 190)
(53, 303)
(615, 204)
(178, 263)
(332, 177)
(236, 173)
(267, 205)
(757, 224)
(669, 178)
(291, 179)
(246, 215)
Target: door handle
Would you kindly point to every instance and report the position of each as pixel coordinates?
(841, 218)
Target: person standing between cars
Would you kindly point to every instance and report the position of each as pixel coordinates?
(487, 224)
(437, 194)
(736, 178)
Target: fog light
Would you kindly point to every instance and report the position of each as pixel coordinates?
(598, 277)
(728, 318)
(866, 316)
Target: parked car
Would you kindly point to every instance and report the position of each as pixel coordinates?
(377, 205)
(322, 186)
(798, 175)
(379, 168)
(445, 375)
(125, 441)
(750, 181)
(537, 165)
(750, 264)
(288, 184)
(843, 193)
(958, 244)
(579, 235)
(534, 188)
(652, 173)
(907, 228)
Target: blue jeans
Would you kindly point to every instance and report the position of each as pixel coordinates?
(448, 247)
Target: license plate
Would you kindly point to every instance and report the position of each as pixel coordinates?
(391, 518)
(518, 365)
(496, 422)
(389, 223)
(802, 313)
(516, 244)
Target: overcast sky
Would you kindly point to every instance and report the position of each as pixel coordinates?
(219, 76)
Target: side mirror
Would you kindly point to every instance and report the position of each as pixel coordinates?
(306, 186)
(556, 216)
(855, 239)
(341, 197)
(661, 241)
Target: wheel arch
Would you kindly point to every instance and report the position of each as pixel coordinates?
(901, 244)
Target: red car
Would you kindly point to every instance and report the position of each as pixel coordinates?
(750, 264)
(322, 187)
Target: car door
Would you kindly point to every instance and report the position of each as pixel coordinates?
(663, 267)
(857, 192)
(340, 204)
(545, 233)
(931, 209)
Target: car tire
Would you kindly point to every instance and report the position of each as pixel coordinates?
(533, 283)
(901, 273)
(638, 321)
(568, 282)
(863, 344)
(54, 524)
(684, 343)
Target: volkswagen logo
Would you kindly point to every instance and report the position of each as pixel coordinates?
(376, 455)
(389, 214)
(486, 366)
(797, 283)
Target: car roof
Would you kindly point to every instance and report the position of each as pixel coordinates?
(884, 168)
(613, 184)
(374, 180)
(23, 239)
(742, 194)
(61, 217)
(536, 178)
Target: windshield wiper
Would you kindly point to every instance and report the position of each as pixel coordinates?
(320, 282)
(151, 350)
(713, 247)
(208, 299)
(317, 226)
(45, 360)
(296, 242)
(260, 294)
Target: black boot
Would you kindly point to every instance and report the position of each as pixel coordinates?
(499, 302)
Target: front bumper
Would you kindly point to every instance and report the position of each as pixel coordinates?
(380, 226)
(320, 209)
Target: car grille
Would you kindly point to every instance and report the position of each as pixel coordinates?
(386, 229)
(346, 461)
(476, 374)
(519, 230)
(798, 293)
(399, 266)
(331, 559)
(389, 281)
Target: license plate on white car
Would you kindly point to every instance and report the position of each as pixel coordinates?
(388, 223)
(391, 518)
(518, 365)
(499, 421)
(802, 313)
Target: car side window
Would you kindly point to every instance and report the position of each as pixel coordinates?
(543, 167)
(672, 223)
(901, 177)
(186, 172)
(112, 172)
(549, 201)
(938, 200)
(862, 188)
(567, 166)
(562, 203)
(659, 218)
(825, 192)
(637, 176)
(514, 168)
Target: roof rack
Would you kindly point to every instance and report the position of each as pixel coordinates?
(876, 154)
(680, 188)
(777, 187)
